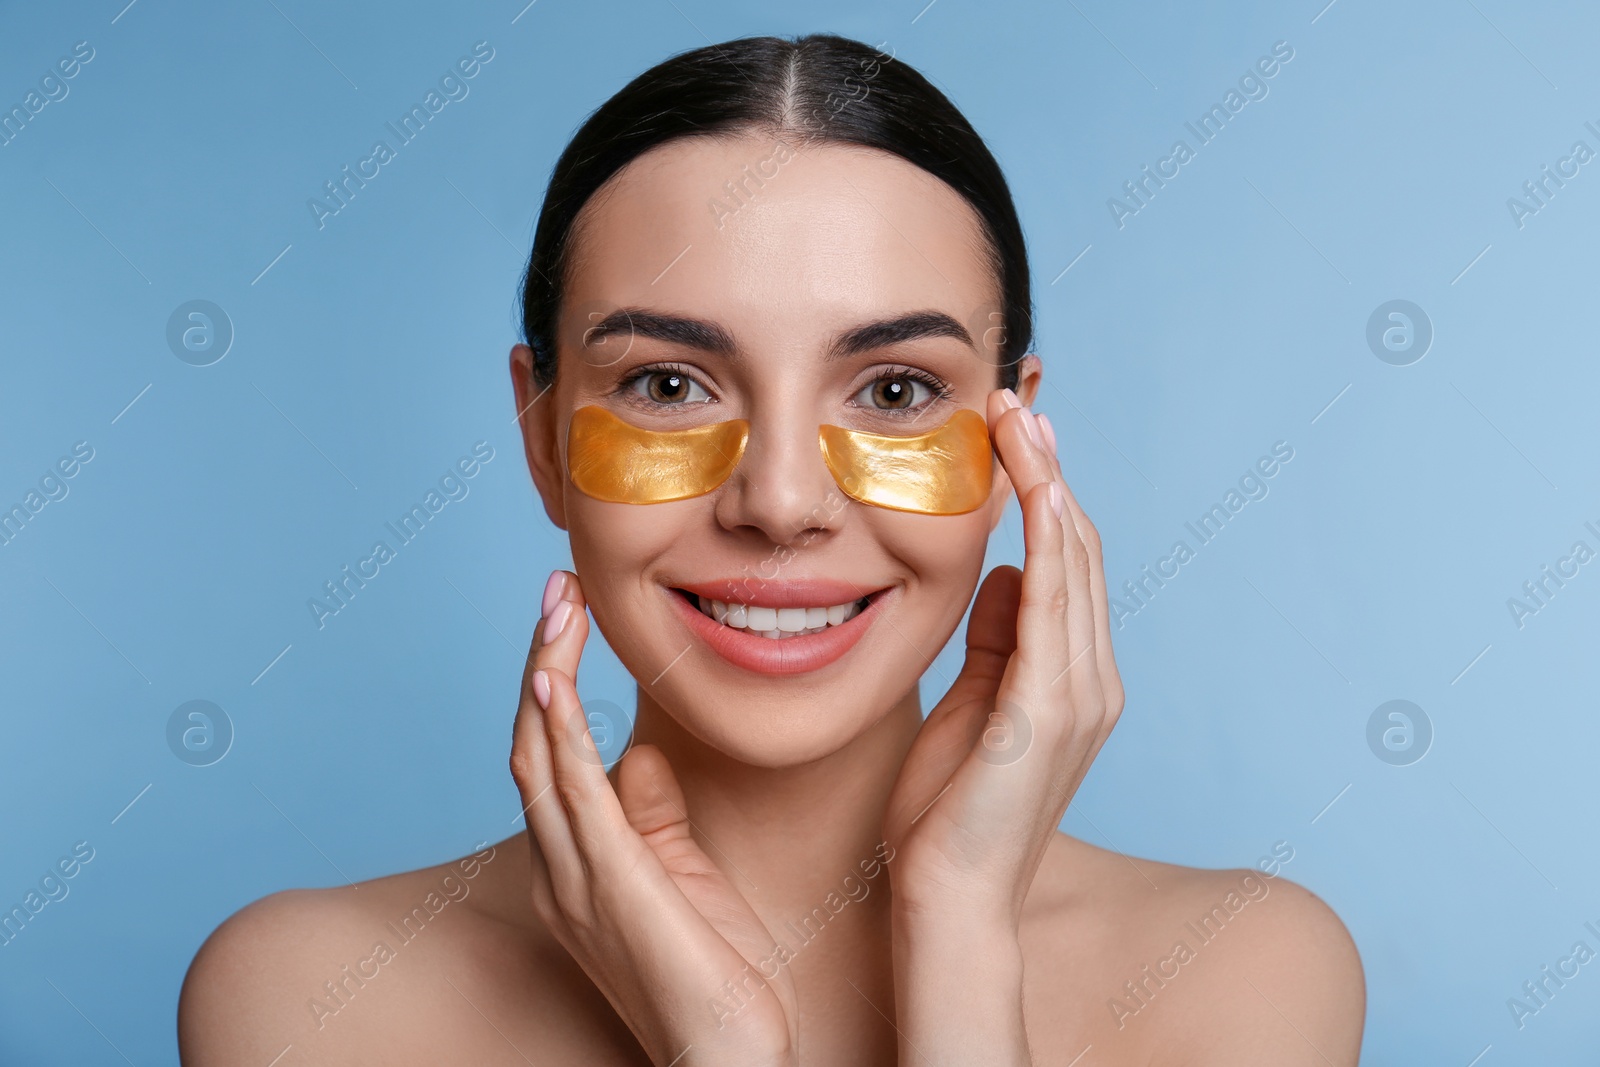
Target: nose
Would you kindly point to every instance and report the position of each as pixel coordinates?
(781, 486)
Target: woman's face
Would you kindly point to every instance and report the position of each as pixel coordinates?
(750, 270)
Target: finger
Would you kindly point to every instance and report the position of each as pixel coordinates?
(1100, 698)
(564, 628)
(1018, 442)
(998, 779)
(658, 811)
(1030, 462)
(1056, 619)
(550, 837)
(958, 720)
(1105, 655)
(650, 795)
(1043, 638)
(656, 808)
(992, 626)
(705, 905)
(1081, 613)
(579, 778)
(1080, 675)
(563, 634)
(991, 635)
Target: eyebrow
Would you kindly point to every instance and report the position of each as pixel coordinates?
(714, 338)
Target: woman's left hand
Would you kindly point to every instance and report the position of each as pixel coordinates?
(990, 774)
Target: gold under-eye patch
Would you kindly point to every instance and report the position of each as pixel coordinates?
(612, 460)
(946, 471)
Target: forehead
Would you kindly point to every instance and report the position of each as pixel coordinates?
(780, 242)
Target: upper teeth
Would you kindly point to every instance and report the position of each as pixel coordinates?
(778, 622)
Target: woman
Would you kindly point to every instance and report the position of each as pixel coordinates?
(774, 287)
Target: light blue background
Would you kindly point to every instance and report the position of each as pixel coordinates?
(1225, 316)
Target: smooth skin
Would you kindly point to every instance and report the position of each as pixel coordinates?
(629, 923)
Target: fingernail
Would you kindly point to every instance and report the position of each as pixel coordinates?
(1008, 399)
(552, 592)
(1048, 431)
(541, 689)
(1031, 422)
(1057, 503)
(557, 621)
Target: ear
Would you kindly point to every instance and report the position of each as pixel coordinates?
(540, 440)
(1030, 372)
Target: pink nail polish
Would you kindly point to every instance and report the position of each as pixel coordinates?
(1031, 423)
(541, 689)
(1048, 431)
(1057, 503)
(557, 621)
(552, 592)
(1008, 399)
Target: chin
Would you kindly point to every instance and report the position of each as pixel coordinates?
(793, 733)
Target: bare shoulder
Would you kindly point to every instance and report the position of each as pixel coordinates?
(1174, 964)
(240, 991)
(329, 972)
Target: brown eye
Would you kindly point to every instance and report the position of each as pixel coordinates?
(669, 387)
(895, 392)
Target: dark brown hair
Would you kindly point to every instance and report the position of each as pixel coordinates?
(815, 89)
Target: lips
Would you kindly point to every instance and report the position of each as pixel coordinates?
(795, 654)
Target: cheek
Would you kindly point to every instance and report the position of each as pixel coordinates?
(944, 553)
(615, 550)
(614, 542)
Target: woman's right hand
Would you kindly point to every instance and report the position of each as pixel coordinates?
(621, 882)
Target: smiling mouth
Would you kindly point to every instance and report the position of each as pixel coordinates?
(776, 623)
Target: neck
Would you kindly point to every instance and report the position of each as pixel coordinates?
(802, 844)
(787, 836)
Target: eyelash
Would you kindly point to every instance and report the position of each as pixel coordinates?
(936, 386)
(939, 389)
(625, 387)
